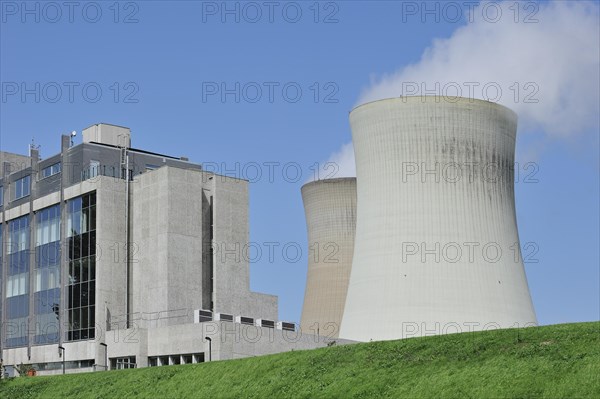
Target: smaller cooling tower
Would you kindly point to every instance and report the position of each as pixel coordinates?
(330, 208)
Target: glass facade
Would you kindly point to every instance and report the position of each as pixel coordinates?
(48, 295)
(47, 275)
(81, 286)
(17, 283)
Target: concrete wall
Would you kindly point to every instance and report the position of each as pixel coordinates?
(175, 271)
(167, 239)
(431, 218)
(228, 341)
(231, 281)
(108, 134)
(16, 162)
(330, 209)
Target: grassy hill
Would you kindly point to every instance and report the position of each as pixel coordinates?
(560, 361)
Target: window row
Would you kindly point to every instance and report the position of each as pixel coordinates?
(83, 334)
(45, 279)
(51, 170)
(94, 169)
(75, 364)
(190, 358)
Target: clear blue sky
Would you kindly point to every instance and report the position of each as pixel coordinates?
(164, 63)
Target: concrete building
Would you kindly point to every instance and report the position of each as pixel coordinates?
(330, 209)
(119, 257)
(437, 247)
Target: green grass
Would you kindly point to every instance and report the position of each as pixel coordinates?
(560, 361)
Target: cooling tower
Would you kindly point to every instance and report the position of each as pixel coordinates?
(330, 209)
(437, 247)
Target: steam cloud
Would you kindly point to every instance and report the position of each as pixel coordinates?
(546, 70)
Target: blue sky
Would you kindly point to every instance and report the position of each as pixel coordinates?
(165, 61)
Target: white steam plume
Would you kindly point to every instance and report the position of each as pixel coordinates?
(547, 71)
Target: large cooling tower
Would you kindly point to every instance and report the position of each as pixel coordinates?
(330, 208)
(437, 247)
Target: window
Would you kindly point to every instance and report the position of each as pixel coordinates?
(204, 315)
(81, 285)
(16, 291)
(77, 364)
(22, 187)
(47, 275)
(120, 363)
(188, 358)
(82, 215)
(17, 284)
(286, 326)
(94, 168)
(267, 323)
(18, 238)
(223, 317)
(1, 195)
(51, 170)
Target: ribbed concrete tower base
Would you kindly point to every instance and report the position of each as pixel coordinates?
(330, 208)
(437, 247)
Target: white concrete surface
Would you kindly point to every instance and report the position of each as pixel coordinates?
(432, 217)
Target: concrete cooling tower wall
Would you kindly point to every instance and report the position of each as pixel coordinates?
(330, 209)
(437, 247)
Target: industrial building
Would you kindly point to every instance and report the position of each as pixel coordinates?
(115, 257)
(330, 209)
(436, 248)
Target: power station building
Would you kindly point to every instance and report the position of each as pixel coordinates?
(330, 209)
(117, 257)
(436, 248)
